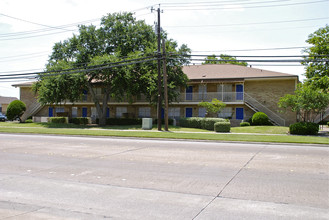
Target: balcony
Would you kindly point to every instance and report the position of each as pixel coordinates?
(234, 97)
(228, 97)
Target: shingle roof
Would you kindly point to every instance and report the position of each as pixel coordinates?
(6, 100)
(229, 71)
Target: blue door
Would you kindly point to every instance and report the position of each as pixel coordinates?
(108, 112)
(162, 113)
(84, 112)
(189, 93)
(50, 112)
(188, 112)
(239, 92)
(239, 112)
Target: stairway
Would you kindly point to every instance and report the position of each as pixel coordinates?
(324, 115)
(256, 106)
(31, 110)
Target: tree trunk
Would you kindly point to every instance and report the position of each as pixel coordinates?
(101, 110)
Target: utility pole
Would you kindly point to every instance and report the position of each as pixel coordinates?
(165, 84)
(159, 104)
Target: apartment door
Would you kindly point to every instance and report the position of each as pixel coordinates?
(188, 112)
(84, 112)
(189, 93)
(239, 112)
(50, 112)
(239, 91)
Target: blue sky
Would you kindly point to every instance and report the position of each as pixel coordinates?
(236, 27)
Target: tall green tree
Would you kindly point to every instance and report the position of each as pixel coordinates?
(82, 63)
(223, 58)
(317, 62)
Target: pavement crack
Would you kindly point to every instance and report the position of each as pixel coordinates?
(234, 176)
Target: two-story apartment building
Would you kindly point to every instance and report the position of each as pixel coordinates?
(245, 90)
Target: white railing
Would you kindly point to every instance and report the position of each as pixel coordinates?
(324, 115)
(207, 97)
(260, 107)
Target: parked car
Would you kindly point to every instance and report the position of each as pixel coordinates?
(3, 117)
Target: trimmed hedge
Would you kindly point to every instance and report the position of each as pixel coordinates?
(58, 120)
(222, 126)
(170, 121)
(193, 122)
(244, 124)
(123, 121)
(304, 128)
(208, 123)
(260, 118)
(198, 122)
(80, 121)
(328, 123)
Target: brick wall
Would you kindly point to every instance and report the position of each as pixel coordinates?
(268, 93)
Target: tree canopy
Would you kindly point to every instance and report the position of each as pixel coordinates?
(99, 57)
(308, 101)
(317, 62)
(223, 58)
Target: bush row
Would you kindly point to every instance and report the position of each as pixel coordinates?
(203, 123)
(304, 128)
(224, 126)
(58, 120)
(79, 121)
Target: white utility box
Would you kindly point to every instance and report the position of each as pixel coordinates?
(147, 124)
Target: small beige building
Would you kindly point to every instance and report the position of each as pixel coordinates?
(4, 102)
(245, 90)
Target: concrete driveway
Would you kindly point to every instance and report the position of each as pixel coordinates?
(57, 177)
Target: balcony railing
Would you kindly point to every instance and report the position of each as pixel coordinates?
(187, 97)
(208, 97)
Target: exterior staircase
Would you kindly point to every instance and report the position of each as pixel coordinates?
(31, 110)
(258, 107)
(324, 115)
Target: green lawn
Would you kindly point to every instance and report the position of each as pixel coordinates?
(261, 129)
(186, 133)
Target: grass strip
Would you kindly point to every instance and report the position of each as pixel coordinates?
(172, 135)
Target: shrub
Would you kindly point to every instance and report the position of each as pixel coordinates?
(193, 122)
(58, 120)
(80, 121)
(15, 109)
(243, 124)
(170, 121)
(222, 126)
(260, 118)
(304, 128)
(208, 123)
(123, 121)
(28, 121)
(328, 123)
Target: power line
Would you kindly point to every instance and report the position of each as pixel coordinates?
(255, 49)
(242, 24)
(259, 6)
(31, 22)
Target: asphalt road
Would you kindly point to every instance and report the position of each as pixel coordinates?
(56, 177)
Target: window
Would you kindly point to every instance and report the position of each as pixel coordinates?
(120, 111)
(202, 112)
(74, 112)
(174, 112)
(225, 113)
(60, 109)
(202, 91)
(144, 112)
